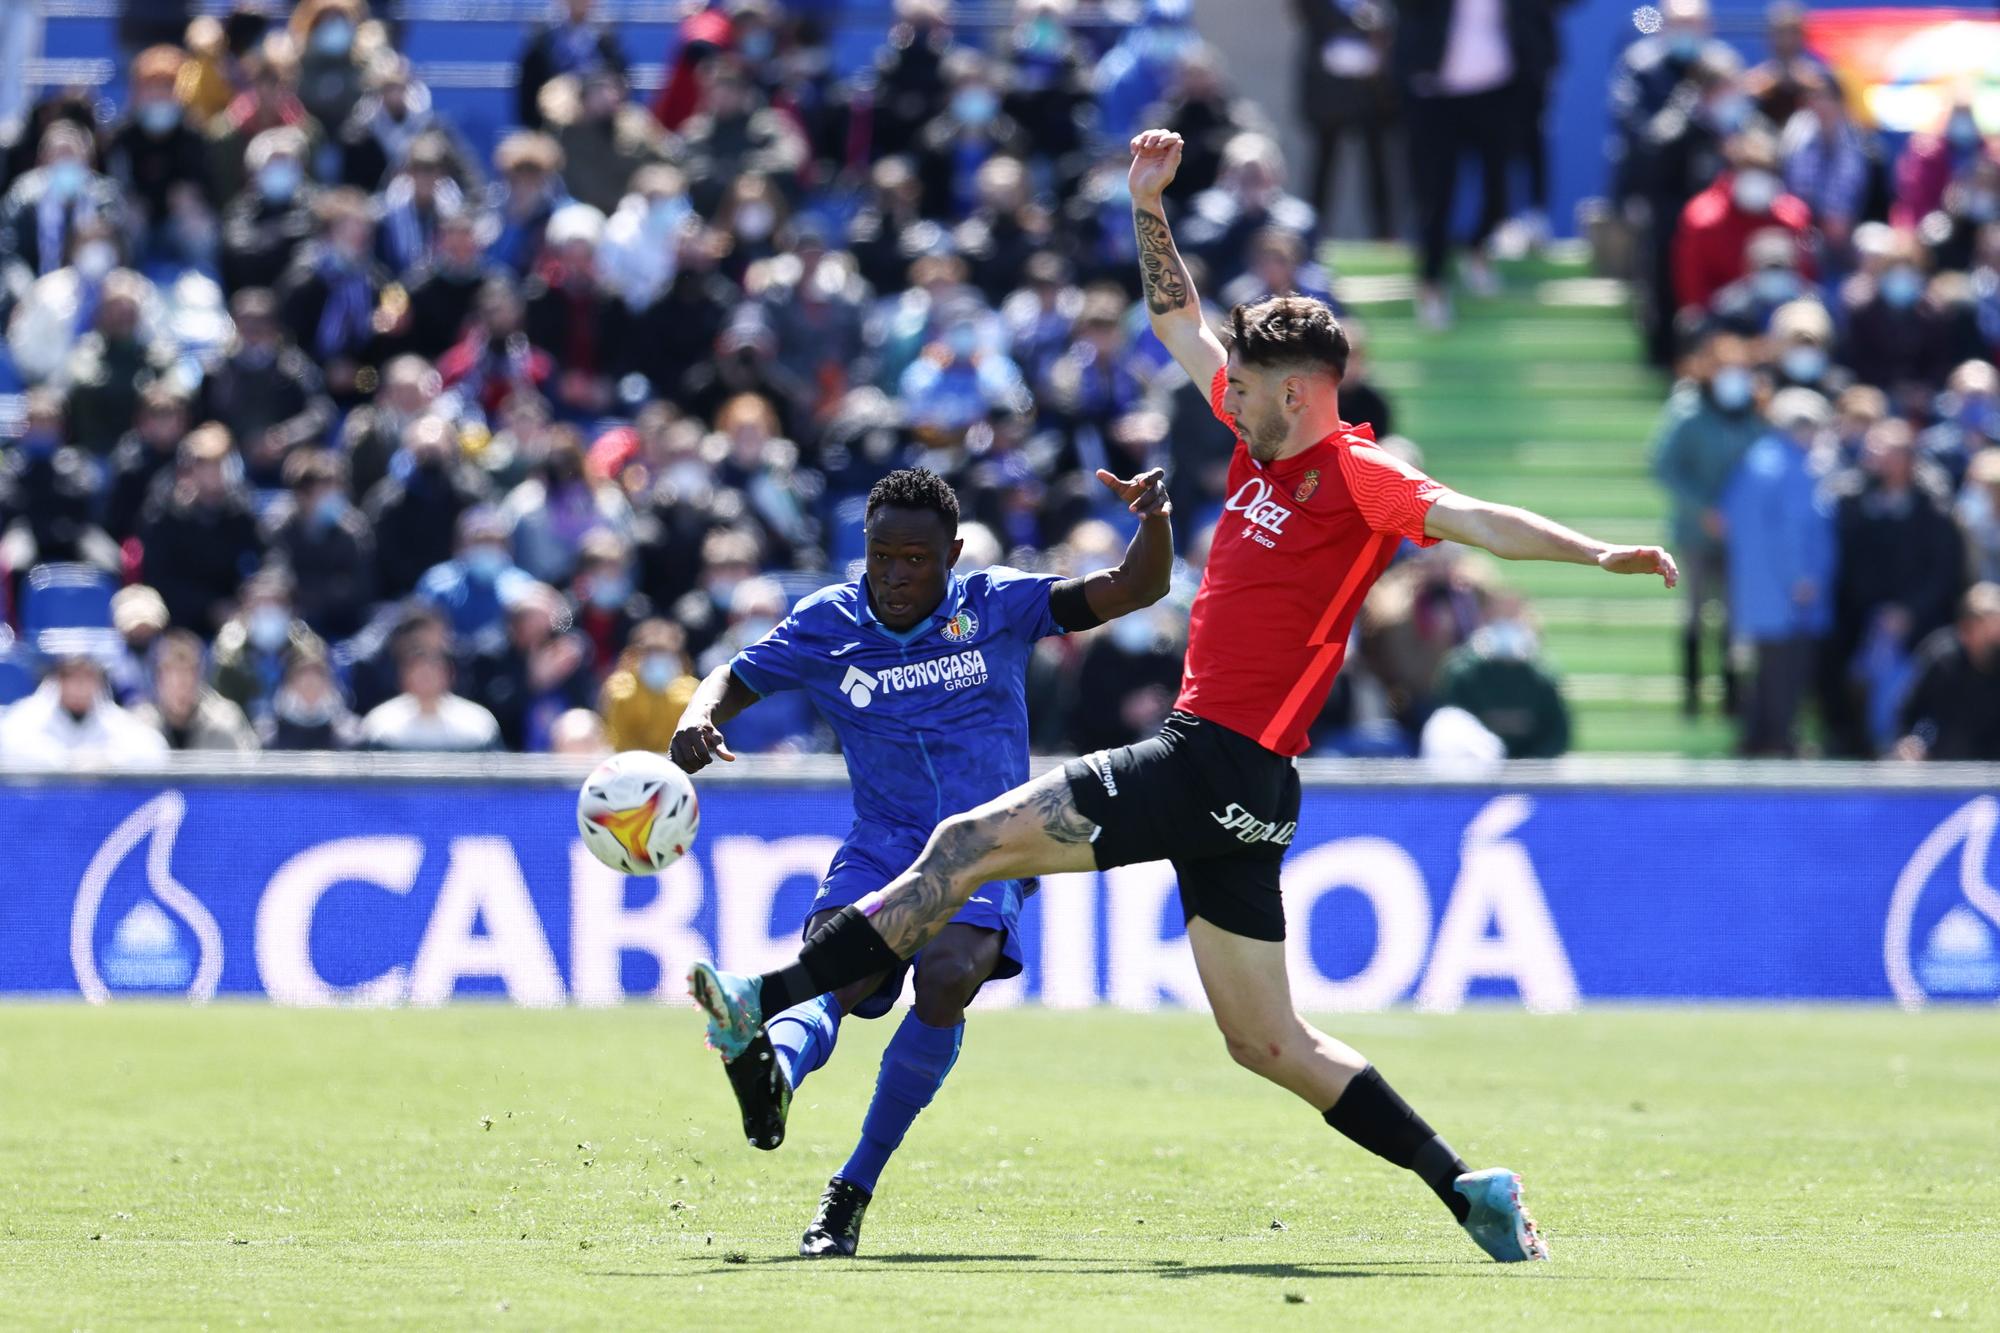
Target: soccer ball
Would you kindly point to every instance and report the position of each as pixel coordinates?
(638, 812)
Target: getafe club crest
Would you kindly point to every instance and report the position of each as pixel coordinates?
(961, 627)
(1306, 487)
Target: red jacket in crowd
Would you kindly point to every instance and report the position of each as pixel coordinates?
(1714, 232)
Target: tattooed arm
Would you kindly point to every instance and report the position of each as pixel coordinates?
(1171, 301)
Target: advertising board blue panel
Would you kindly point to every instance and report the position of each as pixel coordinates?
(417, 892)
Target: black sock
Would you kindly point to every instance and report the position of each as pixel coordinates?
(1372, 1114)
(840, 952)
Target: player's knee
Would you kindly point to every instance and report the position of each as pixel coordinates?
(1261, 1048)
(966, 848)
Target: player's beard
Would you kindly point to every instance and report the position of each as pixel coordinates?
(1266, 439)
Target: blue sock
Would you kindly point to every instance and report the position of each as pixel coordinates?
(804, 1036)
(913, 1068)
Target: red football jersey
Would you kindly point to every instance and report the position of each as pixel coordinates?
(1300, 543)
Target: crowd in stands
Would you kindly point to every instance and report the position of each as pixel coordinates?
(1828, 300)
(387, 445)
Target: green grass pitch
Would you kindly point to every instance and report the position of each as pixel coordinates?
(485, 1167)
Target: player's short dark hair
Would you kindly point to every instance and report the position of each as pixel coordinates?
(916, 488)
(1286, 331)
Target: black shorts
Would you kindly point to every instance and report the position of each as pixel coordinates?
(1219, 806)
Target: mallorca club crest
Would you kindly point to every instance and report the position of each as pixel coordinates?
(1306, 486)
(961, 627)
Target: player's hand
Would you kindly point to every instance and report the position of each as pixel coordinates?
(1156, 156)
(1641, 560)
(1145, 495)
(697, 745)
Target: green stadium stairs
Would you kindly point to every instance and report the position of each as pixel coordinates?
(1539, 397)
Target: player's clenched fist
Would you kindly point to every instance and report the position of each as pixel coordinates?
(1145, 495)
(697, 744)
(1156, 155)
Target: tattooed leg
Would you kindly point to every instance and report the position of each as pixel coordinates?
(1032, 830)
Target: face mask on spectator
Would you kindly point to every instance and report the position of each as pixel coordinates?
(608, 592)
(302, 712)
(156, 118)
(1683, 44)
(1730, 112)
(1962, 131)
(974, 106)
(278, 181)
(1901, 286)
(754, 629)
(664, 215)
(94, 259)
(656, 672)
(760, 44)
(485, 562)
(721, 587)
(1754, 190)
(66, 178)
(1732, 388)
(269, 627)
(256, 356)
(1982, 205)
(755, 220)
(1975, 414)
(1803, 365)
(333, 37)
(331, 508)
(1774, 286)
(963, 341)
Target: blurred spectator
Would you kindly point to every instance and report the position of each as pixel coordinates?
(1344, 88)
(1802, 348)
(42, 211)
(1457, 63)
(643, 699)
(415, 204)
(1789, 77)
(970, 130)
(1932, 162)
(579, 734)
(755, 608)
(188, 714)
(372, 435)
(71, 721)
(1953, 707)
(58, 308)
(732, 138)
(1676, 156)
(307, 712)
(1046, 89)
(1968, 414)
(609, 607)
(889, 211)
(1137, 71)
(1826, 162)
(113, 363)
(416, 510)
(1278, 266)
(817, 304)
(526, 196)
(48, 491)
(474, 587)
(1902, 566)
(744, 361)
(960, 378)
(442, 289)
(1126, 683)
(909, 73)
(265, 392)
(427, 715)
(161, 161)
(326, 543)
(1979, 514)
(20, 42)
(1418, 612)
(568, 313)
(252, 646)
(374, 675)
(1900, 336)
(729, 559)
(1781, 562)
(751, 458)
(640, 248)
(213, 73)
(1708, 424)
(270, 102)
(533, 674)
(270, 218)
(1362, 403)
(575, 44)
(495, 359)
(1772, 279)
(552, 511)
(1648, 74)
(604, 137)
(1498, 676)
(139, 617)
(1246, 199)
(324, 32)
(393, 135)
(327, 300)
(1711, 245)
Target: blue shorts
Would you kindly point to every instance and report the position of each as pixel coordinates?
(874, 855)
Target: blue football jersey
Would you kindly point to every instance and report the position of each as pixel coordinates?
(932, 720)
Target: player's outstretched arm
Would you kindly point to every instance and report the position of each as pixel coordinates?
(1147, 571)
(1519, 534)
(697, 741)
(1171, 302)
